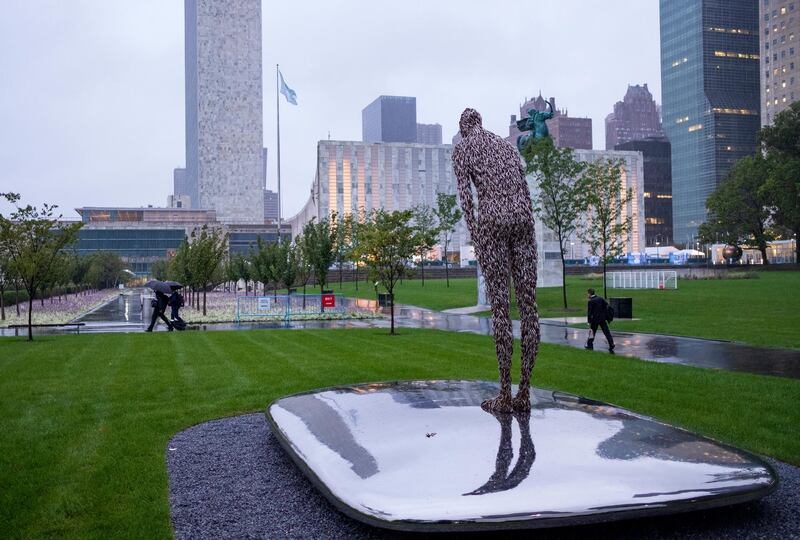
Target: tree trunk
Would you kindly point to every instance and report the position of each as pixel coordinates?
(391, 310)
(16, 297)
(340, 276)
(2, 304)
(30, 311)
(564, 278)
(422, 268)
(762, 247)
(446, 264)
(204, 300)
(605, 290)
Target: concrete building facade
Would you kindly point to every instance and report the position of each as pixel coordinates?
(636, 117)
(779, 23)
(224, 120)
(353, 175)
(566, 131)
(710, 93)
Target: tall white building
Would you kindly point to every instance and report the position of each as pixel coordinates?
(224, 119)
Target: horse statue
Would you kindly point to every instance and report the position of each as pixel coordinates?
(535, 123)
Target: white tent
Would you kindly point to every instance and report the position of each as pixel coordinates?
(660, 251)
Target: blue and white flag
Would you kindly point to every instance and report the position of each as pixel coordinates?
(291, 95)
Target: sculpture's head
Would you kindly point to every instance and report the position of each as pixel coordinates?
(470, 120)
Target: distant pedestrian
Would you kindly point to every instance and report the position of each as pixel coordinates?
(176, 303)
(159, 307)
(598, 315)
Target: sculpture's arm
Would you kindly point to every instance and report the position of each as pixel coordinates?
(464, 185)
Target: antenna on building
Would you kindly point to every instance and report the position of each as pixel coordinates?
(329, 134)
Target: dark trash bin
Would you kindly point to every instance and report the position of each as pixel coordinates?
(384, 300)
(623, 307)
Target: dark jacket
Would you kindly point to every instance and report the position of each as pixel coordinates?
(597, 309)
(162, 301)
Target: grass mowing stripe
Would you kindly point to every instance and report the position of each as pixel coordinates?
(149, 400)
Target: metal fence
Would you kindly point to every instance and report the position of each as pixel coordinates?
(285, 306)
(662, 279)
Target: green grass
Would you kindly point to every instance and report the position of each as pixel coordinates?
(86, 419)
(763, 311)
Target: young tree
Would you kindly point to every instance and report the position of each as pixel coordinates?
(427, 232)
(559, 203)
(739, 210)
(5, 280)
(608, 221)
(341, 228)
(285, 264)
(206, 253)
(319, 242)
(105, 269)
(388, 242)
(159, 269)
(178, 268)
(263, 264)
(449, 214)
(33, 240)
(781, 141)
(304, 267)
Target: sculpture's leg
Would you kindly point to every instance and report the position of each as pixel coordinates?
(523, 269)
(495, 266)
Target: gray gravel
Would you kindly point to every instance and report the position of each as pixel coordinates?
(229, 478)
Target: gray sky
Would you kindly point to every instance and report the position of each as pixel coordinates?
(92, 91)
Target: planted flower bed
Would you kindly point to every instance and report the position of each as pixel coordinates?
(58, 310)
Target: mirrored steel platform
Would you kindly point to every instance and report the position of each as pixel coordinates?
(424, 456)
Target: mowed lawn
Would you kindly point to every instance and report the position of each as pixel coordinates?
(86, 419)
(763, 311)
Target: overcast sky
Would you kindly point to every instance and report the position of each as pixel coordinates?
(92, 91)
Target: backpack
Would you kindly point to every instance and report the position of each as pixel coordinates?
(609, 312)
(178, 299)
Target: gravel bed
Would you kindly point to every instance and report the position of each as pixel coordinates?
(229, 478)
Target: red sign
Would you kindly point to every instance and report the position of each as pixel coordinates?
(328, 300)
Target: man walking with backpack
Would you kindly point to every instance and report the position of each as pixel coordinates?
(599, 314)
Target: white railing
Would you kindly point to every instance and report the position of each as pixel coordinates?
(644, 279)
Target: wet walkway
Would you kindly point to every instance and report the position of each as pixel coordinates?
(124, 315)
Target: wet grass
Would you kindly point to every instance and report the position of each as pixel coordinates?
(762, 311)
(86, 419)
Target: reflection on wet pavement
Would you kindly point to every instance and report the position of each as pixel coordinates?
(124, 315)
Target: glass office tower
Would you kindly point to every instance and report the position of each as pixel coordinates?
(710, 95)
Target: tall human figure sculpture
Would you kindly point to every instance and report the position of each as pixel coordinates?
(502, 231)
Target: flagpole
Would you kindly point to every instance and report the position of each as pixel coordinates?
(278, 106)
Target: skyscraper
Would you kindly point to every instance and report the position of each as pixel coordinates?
(710, 87)
(657, 187)
(224, 122)
(567, 131)
(780, 67)
(636, 117)
(390, 119)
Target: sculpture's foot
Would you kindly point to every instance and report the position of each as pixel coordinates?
(501, 404)
(522, 401)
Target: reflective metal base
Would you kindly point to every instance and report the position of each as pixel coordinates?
(424, 456)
